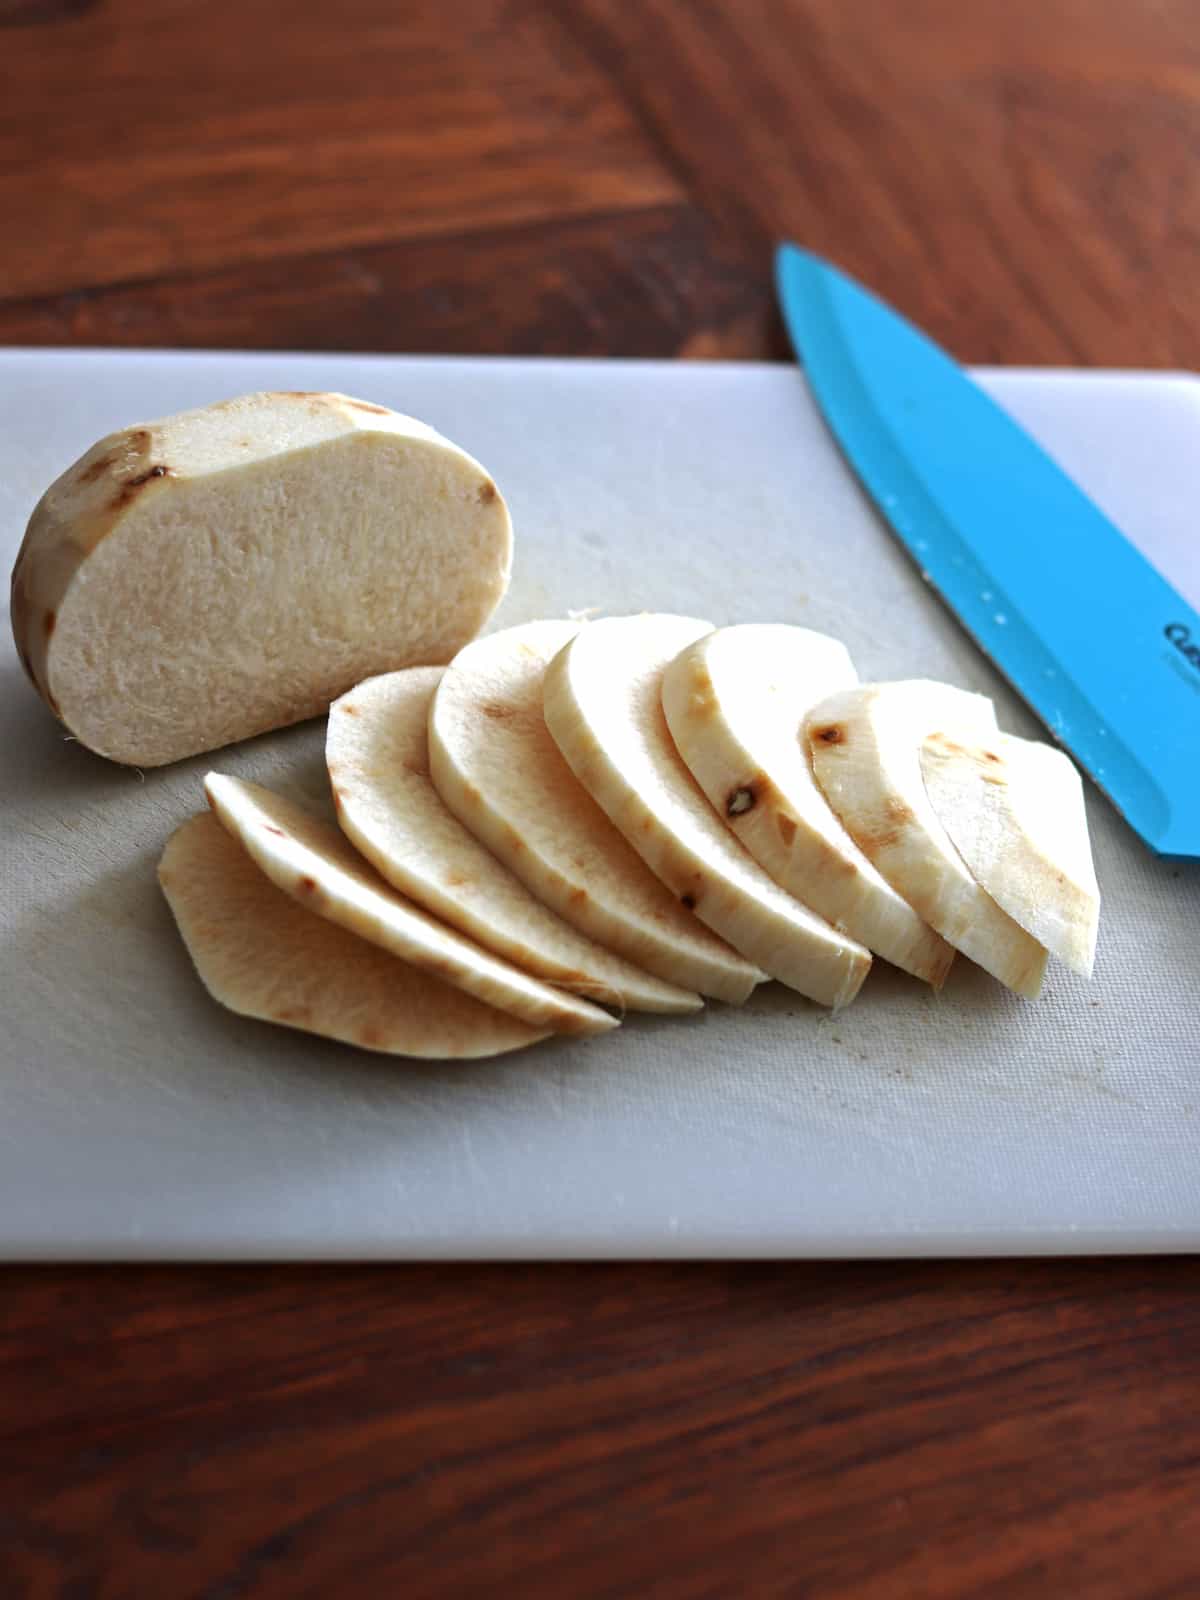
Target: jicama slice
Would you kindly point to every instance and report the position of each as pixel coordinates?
(496, 767)
(603, 706)
(311, 861)
(261, 954)
(865, 745)
(735, 702)
(376, 748)
(1015, 813)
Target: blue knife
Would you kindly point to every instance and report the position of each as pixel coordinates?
(1099, 643)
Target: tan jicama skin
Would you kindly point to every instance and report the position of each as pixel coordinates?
(261, 954)
(377, 752)
(201, 579)
(313, 863)
(496, 767)
(1014, 810)
(735, 702)
(865, 746)
(603, 705)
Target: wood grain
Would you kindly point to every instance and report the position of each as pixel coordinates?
(866, 1432)
(191, 135)
(660, 281)
(1021, 176)
(600, 177)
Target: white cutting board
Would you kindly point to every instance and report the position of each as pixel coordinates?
(138, 1120)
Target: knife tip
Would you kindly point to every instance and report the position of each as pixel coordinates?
(792, 259)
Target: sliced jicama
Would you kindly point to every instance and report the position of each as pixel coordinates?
(1014, 810)
(261, 954)
(603, 706)
(735, 702)
(495, 766)
(866, 746)
(377, 751)
(311, 861)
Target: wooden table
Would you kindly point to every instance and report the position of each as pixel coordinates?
(600, 177)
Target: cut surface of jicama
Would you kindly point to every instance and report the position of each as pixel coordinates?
(735, 703)
(311, 861)
(1014, 810)
(261, 954)
(603, 706)
(866, 745)
(495, 766)
(377, 751)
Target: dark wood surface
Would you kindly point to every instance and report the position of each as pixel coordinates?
(600, 176)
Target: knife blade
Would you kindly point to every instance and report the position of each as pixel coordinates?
(1097, 642)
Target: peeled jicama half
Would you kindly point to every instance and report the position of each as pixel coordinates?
(735, 702)
(197, 580)
(496, 767)
(603, 705)
(377, 751)
(313, 863)
(261, 954)
(866, 746)
(1014, 810)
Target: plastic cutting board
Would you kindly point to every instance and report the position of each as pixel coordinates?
(137, 1120)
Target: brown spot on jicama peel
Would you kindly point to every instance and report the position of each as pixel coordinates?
(487, 492)
(831, 733)
(743, 797)
(874, 844)
(703, 697)
(130, 487)
(873, 841)
(95, 469)
(124, 453)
